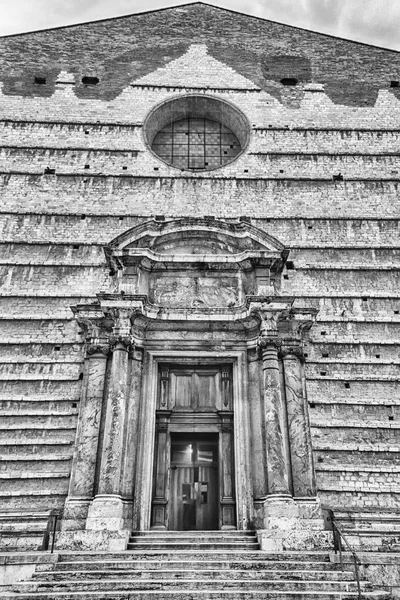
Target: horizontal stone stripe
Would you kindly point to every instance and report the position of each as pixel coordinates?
(36, 279)
(36, 331)
(355, 332)
(196, 197)
(361, 435)
(362, 412)
(351, 372)
(266, 112)
(81, 255)
(64, 390)
(38, 406)
(40, 370)
(355, 499)
(325, 140)
(106, 162)
(352, 309)
(370, 283)
(41, 353)
(356, 459)
(37, 422)
(333, 389)
(23, 226)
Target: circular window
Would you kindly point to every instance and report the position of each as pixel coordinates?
(196, 132)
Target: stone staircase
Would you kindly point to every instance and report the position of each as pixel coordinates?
(192, 566)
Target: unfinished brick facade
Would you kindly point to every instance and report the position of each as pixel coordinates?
(319, 177)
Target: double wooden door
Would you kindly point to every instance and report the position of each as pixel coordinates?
(194, 483)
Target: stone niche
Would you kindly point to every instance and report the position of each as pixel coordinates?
(190, 264)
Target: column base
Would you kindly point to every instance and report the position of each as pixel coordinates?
(75, 513)
(287, 523)
(107, 524)
(108, 512)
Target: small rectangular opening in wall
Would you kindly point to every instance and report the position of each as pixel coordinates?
(87, 166)
(305, 355)
(124, 168)
(323, 373)
(396, 312)
(40, 80)
(325, 355)
(323, 332)
(75, 246)
(159, 218)
(377, 355)
(286, 277)
(320, 460)
(309, 226)
(49, 171)
(121, 218)
(338, 177)
(87, 131)
(83, 217)
(312, 404)
(289, 265)
(74, 405)
(90, 80)
(347, 385)
(364, 299)
(391, 418)
(57, 348)
(394, 83)
(245, 171)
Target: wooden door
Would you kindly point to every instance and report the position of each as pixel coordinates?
(194, 497)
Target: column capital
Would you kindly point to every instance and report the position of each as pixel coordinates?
(92, 349)
(292, 350)
(265, 341)
(126, 341)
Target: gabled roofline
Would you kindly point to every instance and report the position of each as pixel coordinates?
(230, 10)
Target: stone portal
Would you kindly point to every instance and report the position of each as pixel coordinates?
(194, 413)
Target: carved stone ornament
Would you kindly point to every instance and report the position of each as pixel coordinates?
(125, 340)
(266, 341)
(97, 349)
(296, 351)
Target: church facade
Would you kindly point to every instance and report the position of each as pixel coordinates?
(199, 290)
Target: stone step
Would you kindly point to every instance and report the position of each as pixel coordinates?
(193, 545)
(194, 533)
(248, 565)
(190, 573)
(130, 585)
(198, 595)
(229, 555)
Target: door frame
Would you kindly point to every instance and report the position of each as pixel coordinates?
(147, 430)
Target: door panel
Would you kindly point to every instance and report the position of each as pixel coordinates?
(194, 495)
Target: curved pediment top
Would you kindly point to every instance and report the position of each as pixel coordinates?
(197, 236)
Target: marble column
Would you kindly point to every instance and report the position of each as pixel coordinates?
(274, 417)
(159, 515)
(303, 474)
(228, 505)
(81, 487)
(108, 509)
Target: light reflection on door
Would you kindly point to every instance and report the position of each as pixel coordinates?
(194, 482)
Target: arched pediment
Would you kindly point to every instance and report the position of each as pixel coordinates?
(196, 235)
(195, 262)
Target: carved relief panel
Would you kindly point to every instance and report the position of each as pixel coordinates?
(195, 389)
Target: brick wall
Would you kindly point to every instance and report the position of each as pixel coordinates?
(343, 235)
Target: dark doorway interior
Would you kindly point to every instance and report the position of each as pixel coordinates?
(194, 483)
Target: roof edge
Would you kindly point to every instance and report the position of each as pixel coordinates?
(230, 10)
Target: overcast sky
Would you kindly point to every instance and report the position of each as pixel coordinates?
(372, 21)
